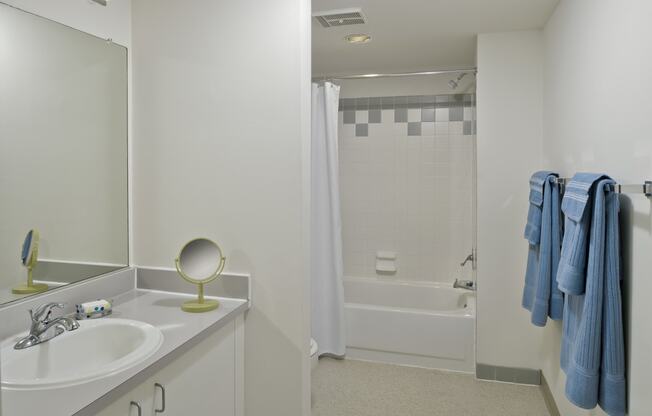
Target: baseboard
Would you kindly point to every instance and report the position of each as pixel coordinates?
(548, 397)
(508, 374)
(410, 360)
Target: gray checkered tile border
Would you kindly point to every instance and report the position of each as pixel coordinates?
(432, 108)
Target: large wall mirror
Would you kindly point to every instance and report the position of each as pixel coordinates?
(63, 155)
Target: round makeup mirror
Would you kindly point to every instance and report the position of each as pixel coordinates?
(200, 261)
(29, 258)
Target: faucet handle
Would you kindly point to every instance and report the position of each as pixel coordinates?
(42, 313)
(467, 259)
(471, 257)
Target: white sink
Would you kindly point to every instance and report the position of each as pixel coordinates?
(98, 348)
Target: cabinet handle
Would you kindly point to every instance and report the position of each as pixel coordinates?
(140, 410)
(162, 409)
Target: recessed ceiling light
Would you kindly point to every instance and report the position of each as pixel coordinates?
(358, 38)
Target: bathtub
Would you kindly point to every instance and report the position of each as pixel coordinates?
(428, 325)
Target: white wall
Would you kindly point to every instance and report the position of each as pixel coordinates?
(221, 110)
(113, 21)
(597, 117)
(594, 105)
(509, 108)
(399, 86)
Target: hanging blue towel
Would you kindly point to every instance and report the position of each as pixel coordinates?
(543, 232)
(533, 226)
(592, 354)
(572, 268)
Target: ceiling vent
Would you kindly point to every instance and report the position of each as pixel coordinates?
(342, 17)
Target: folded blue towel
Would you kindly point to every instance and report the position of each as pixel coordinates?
(533, 226)
(592, 352)
(543, 232)
(572, 266)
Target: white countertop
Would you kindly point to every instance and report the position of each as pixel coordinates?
(161, 309)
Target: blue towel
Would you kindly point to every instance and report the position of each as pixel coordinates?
(543, 232)
(592, 354)
(572, 267)
(533, 226)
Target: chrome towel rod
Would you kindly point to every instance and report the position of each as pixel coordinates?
(644, 188)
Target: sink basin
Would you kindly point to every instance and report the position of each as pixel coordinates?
(99, 348)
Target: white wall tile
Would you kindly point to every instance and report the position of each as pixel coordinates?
(469, 113)
(456, 128)
(387, 117)
(414, 114)
(441, 114)
(441, 128)
(347, 130)
(400, 129)
(428, 129)
(361, 116)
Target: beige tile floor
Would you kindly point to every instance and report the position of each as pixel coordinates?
(357, 388)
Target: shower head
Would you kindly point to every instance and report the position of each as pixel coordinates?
(454, 83)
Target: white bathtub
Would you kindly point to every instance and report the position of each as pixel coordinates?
(428, 325)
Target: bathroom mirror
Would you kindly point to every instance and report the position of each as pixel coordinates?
(200, 261)
(63, 154)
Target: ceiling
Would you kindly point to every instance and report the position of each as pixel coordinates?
(417, 35)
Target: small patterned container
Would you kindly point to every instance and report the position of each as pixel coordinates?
(92, 310)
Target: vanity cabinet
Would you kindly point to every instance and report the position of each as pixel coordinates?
(207, 380)
(122, 405)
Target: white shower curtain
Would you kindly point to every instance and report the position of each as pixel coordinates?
(327, 267)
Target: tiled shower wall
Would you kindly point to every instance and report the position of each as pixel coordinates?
(407, 184)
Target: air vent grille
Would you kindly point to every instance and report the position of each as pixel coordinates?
(335, 18)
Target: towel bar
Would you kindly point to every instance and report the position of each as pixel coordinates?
(644, 188)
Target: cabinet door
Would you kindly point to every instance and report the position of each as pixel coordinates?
(122, 405)
(202, 380)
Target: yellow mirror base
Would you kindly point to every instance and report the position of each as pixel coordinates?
(27, 289)
(195, 307)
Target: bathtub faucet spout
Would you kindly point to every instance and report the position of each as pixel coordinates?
(464, 284)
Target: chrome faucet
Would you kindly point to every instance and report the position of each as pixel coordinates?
(39, 330)
(464, 284)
